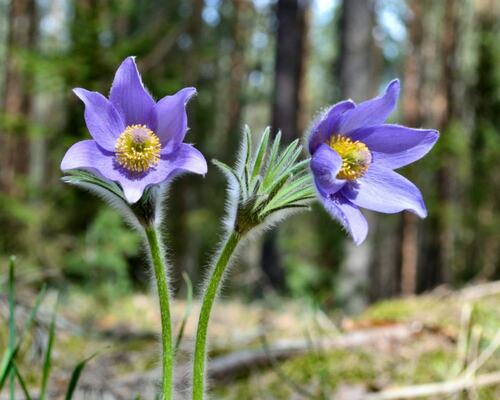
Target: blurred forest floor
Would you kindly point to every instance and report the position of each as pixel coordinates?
(280, 350)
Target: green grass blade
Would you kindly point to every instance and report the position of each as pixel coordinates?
(5, 364)
(21, 381)
(187, 313)
(75, 376)
(47, 362)
(12, 322)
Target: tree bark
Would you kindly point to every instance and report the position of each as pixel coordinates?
(17, 96)
(289, 68)
(408, 244)
(356, 75)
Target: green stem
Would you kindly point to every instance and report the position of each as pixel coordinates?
(166, 325)
(208, 301)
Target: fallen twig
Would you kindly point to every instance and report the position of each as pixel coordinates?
(480, 290)
(433, 389)
(239, 362)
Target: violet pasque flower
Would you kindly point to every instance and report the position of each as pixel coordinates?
(354, 154)
(137, 142)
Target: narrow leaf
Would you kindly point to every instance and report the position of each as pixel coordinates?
(9, 355)
(287, 158)
(261, 151)
(270, 162)
(229, 172)
(283, 208)
(21, 381)
(47, 363)
(187, 313)
(75, 376)
(76, 177)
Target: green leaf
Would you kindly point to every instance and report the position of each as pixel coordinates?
(248, 140)
(277, 186)
(289, 156)
(75, 376)
(262, 150)
(287, 207)
(47, 363)
(9, 355)
(187, 313)
(21, 381)
(301, 165)
(228, 171)
(78, 177)
(270, 162)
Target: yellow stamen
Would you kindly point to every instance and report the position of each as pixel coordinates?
(137, 148)
(356, 157)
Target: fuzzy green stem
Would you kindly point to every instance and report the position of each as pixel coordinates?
(166, 324)
(208, 301)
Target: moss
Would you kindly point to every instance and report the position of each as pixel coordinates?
(430, 357)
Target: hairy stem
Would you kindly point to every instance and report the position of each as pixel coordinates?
(209, 297)
(166, 324)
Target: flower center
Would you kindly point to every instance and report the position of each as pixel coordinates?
(137, 148)
(356, 157)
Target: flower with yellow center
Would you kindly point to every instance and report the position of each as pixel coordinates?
(356, 157)
(137, 148)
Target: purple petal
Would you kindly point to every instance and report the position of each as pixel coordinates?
(130, 98)
(172, 117)
(325, 165)
(327, 124)
(84, 154)
(349, 216)
(394, 146)
(371, 112)
(103, 121)
(384, 190)
(186, 158)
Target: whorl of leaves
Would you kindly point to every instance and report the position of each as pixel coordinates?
(268, 182)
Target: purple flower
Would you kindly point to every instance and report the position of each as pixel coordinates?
(137, 142)
(354, 155)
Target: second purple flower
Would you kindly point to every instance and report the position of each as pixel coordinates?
(353, 157)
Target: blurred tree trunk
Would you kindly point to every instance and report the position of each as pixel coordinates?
(445, 175)
(241, 10)
(289, 71)
(187, 247)
(453, 117)
(356, 77)
(412, 95)
(232, 74)
(485, 201)
(437, 82)
(17, 94)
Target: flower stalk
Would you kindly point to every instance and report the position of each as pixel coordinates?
(159, 267)
(208, 301)
(265, 186)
